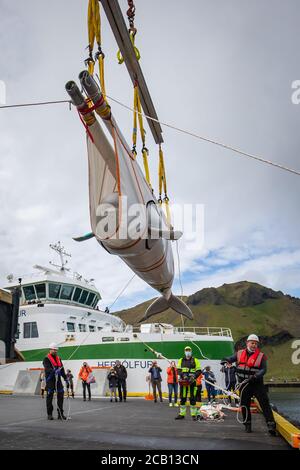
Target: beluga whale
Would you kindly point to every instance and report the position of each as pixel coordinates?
(126, 218)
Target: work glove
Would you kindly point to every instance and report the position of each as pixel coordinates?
(253, 378)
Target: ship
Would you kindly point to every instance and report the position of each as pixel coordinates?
(61, 306)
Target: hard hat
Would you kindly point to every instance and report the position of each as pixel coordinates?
(253, 338)
(53, 346)
(187, 348)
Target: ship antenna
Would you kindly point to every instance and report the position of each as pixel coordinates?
(62, 254)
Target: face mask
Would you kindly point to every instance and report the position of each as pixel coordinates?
(188, 355)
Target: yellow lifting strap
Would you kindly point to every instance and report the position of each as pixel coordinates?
(136, 51)
(94, 32)
(162, 184)
(138, 119)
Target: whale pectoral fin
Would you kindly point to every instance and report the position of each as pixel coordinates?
(161, 304)
(174, 235)
(87, 236)
(168, 234)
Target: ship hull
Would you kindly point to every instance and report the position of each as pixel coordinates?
(136, 356)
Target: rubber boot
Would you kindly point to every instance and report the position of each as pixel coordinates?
(272, 428)
(179, 417)
(193, 411)
(61, 415)
(248, 427)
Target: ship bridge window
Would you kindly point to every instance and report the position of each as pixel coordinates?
(66, 292)
(70, 326)
(90, 298)
(77, 294)
(83, 296)
(82, 327)
(29, 292)
(40, 291)
(54, 290)
(30, 330)
(91, 327)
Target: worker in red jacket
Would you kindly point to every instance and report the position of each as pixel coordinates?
(251, 366)
(54, 372)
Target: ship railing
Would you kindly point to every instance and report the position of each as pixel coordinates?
(203, 330)
(194, 330)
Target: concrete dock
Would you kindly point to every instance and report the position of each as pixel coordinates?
(136, 424)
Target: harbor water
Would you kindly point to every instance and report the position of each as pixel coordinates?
(287, 401)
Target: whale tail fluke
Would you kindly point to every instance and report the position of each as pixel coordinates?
(161, 304)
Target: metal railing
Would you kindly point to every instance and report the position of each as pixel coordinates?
(205, 330)
(194, 330)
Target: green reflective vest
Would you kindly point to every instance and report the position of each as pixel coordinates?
(189, 365)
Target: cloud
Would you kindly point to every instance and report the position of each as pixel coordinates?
(228, 77)
(280, 271)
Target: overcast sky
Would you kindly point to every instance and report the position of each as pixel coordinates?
(223, 69)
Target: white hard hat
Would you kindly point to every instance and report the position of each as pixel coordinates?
(253, 338)
(53, 346)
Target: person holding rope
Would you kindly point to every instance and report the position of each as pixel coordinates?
(54, 371)
(189, 369)
(251, 366)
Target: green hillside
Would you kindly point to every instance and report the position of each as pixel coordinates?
(245, 308)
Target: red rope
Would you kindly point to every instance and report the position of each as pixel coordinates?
(88, 110)
(86, 127)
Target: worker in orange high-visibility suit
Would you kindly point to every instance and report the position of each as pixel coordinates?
(84, 374)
